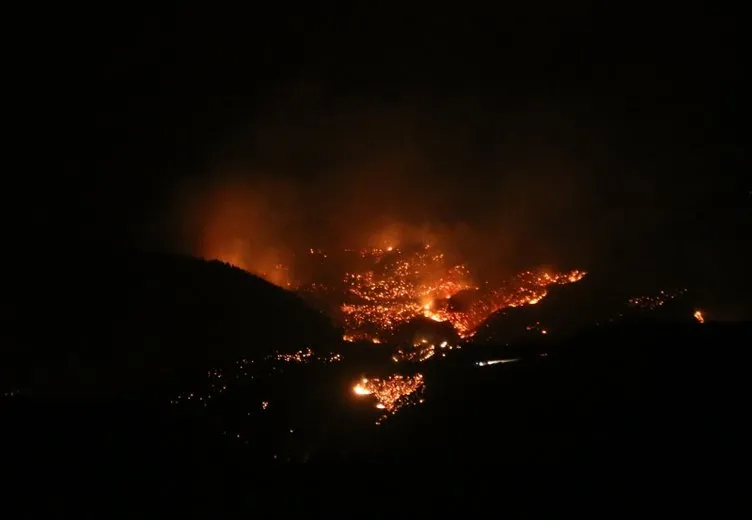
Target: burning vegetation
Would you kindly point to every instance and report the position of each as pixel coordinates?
(394, 287)
(655, 301)
(377, 294)
(392, 393)
(420, 299)
(381, 291)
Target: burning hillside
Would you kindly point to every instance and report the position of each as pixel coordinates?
(380, 291)
(402, 286)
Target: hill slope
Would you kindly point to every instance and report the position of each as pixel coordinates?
(130, 322)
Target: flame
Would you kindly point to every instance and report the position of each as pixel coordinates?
(395, 285)
(362, 388)
(391, 393)
(409, 286)
(699, 316)
(239, 225)
(423, 351)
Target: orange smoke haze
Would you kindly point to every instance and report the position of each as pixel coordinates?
(498, 196)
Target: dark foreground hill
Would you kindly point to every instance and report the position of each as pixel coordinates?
(173, 394)
(119, 323)
(649, 392)
(596, 299)
(638, 393)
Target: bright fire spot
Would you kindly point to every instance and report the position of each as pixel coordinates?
(391, 393)
(392, 286)
(419, 352)
(699, 316)
(408, 285)
(361, 388)
(306, 356)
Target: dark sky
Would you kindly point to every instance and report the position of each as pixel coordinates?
(596, 135)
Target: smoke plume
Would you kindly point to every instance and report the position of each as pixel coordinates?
(499, 189)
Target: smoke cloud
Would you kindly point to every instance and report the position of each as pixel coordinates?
(501, 188)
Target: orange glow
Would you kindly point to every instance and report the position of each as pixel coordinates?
(391, 393)
(655, 301)
(407, 287)
(699, 316)
(392, 285)
(362, 388)
(422, 351)
(239, 225)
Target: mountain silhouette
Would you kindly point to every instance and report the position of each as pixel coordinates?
(125, 322)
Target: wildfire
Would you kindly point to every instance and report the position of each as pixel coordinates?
(653, 302)
(419, 284)
(699, 316)
(537, 327)
(391, 393)
(391, 286)
(422, 351)
(305, 356)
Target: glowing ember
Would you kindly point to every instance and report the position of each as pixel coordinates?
(392, 286)
(417, 354)
(655, 301)
(392, 393)
(297, 357)
(362, 388)
(699, 316)
(406, 286)
(537, 327)
(306, 356)
(422, 351)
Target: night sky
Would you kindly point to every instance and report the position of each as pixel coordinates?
(558, 134)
